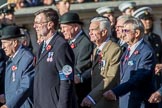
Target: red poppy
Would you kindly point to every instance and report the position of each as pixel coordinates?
(100, 55)
(126, 57)
(136, 52)
(14, 68)
(72, 45)
(48, 47)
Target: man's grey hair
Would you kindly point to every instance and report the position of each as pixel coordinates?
(124, 18)
(136, 24)
(104, 23)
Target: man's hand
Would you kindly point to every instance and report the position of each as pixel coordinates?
(86, 102)
(4, 106)
(109, 95)
(155, 97)
(158, 68)
(2, 98)
(77, 79)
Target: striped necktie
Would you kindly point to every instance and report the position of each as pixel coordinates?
(97, 53)
(126, 56)
(43, 47)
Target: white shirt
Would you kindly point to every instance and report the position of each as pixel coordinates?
(17, 51)
(103, 44)
(73, 40)
(48, 40)
(133, 47)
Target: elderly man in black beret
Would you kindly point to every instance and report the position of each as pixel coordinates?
(19, 71)
(71, 27)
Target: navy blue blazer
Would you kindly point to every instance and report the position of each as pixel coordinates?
(136, 76)
(19, 77)
(51, 88)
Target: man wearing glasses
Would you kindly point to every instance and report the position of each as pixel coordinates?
(53, 82)
(119, 31)
(136, 69)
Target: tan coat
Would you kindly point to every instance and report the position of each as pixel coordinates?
(107, 76)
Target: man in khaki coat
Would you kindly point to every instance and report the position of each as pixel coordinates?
(105, 67)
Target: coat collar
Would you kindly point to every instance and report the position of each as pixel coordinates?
(79, 38)
(14, 61)
(18, 56)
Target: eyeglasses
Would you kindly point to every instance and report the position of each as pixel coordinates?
(126, 31)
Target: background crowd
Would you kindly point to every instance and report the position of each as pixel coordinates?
(30, 3)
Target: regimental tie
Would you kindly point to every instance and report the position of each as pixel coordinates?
(43, 47)
(97, 53)
(126, 56)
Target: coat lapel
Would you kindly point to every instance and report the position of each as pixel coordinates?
(131, 60)
(106, 47)
(137, 50)
(39, 50)
(121, 64)
(79, 38)
(51, 44)
(104, 50)
(12, 63)
(18, 56)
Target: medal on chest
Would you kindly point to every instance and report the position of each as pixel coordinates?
(50, 56)
(14, 68)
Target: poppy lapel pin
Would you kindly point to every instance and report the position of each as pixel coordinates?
(72, 45)
(136, 52)
(48, 47)
(14, 68)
